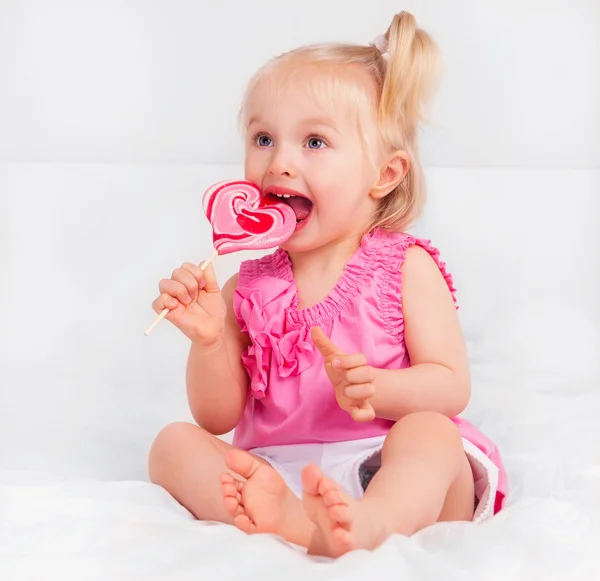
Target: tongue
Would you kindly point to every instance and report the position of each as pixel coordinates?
(301, 206)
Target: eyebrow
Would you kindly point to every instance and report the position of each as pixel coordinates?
(324, 121)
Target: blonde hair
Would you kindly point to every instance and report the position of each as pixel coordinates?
(403, 77)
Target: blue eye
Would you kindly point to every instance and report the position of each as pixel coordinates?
(263, 140)
(315, 143)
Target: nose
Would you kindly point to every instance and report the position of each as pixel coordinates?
(281, 164)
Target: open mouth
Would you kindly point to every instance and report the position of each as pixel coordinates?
(301, 205)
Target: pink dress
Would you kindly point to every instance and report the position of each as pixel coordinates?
(291, 400)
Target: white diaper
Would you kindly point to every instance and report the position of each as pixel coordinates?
(353, 463)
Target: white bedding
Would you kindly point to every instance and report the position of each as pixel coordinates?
(83, 391)
(87, 529)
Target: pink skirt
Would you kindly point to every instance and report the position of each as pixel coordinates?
(485, 461)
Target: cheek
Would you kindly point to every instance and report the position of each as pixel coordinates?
(341, 204)
(330, 170)
(253, 166)
(346, 197)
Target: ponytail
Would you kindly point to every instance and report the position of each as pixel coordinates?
(411, 75)
(412, 64)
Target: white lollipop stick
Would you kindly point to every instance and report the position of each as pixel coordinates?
(164, 312)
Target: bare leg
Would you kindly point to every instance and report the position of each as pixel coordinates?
(196, 468)
(425, 476)
(188, 461)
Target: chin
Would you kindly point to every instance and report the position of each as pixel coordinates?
(307, 240)
(297, 244)
(302, 241)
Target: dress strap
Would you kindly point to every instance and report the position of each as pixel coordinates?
(390, 260)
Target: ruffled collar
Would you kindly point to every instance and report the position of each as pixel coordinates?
(280, 332)
(356, 274)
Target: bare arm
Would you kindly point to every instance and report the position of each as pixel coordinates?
(438, 379)
(217, 383)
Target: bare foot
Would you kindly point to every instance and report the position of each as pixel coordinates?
(343, 523)
(261, 502)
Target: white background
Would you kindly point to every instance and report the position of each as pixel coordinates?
(160, 81)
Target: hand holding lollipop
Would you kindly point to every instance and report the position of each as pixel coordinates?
(241, 219)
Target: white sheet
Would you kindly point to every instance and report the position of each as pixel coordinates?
(87, 529)
(92, 530)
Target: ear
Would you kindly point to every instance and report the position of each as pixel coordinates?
(392, 173)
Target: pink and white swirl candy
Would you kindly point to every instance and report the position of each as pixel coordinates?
(242, 219)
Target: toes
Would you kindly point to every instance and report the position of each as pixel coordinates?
(330, 487)
(242, 463)
(227, 478)
(311, 479)
(340, 513)
(230, 490)
(230, 487)
(336, 502)
(243, 523)
(232, 506)
(341, 541)
(332, 497)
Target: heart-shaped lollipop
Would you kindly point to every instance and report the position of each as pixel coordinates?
(242, 219)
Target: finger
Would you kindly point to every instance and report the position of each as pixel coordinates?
(210, 285)
(349, 361)
(364, 374)
(164, 301)
(323, 343)
(175, 289)
(362, 414)
(187, 279)
(359, 391)
(196, 272)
